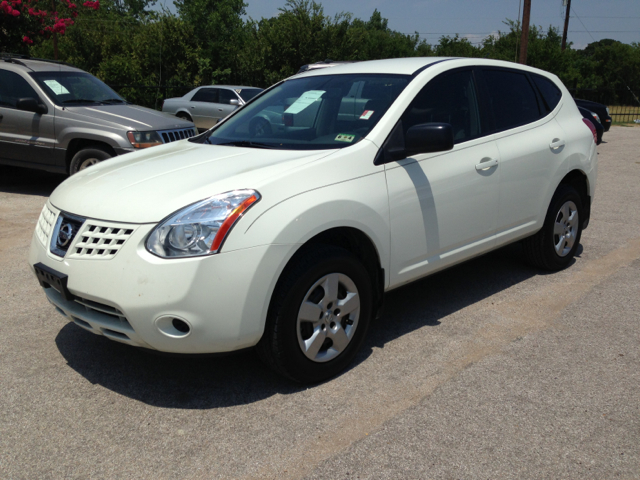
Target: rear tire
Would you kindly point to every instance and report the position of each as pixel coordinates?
(555, 245)
(319, 315)
(88, 157)
(184, 116)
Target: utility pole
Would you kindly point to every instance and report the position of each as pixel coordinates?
(525, 32)
(566, 24)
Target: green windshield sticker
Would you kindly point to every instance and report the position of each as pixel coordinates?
(343, 137)
(57, 87)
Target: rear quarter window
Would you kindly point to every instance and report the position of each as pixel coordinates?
(550, 93)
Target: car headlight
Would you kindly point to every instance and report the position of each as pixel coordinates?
(201, 228)
(144, 139)
(595, 115)
(607, 108)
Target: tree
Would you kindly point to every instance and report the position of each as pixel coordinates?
(24, 22)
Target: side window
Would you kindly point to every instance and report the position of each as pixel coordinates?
(225, 96)
(13, 87)
(550, 93)
(209, 95)
(512, 98)
(449, 98)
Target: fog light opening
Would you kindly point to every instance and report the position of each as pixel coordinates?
(180, 325)
(173, 326)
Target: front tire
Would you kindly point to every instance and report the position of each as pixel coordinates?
(88, 157)
(319, 315)
(555, 245)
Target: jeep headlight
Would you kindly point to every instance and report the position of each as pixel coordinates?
(144, 139)
(201, 228)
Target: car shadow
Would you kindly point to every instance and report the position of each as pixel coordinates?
(28, 181)
(211, 382)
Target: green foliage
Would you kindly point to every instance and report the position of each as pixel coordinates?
(148, 56)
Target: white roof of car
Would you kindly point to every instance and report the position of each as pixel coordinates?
(405, 66)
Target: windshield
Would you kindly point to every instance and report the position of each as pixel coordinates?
(322, 112)
(76, 88)
(248, 93)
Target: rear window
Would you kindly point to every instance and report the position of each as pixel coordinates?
(550, 93)
(209, 95)
(512, 98)
(248, 93)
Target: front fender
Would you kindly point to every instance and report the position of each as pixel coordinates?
(360, 203)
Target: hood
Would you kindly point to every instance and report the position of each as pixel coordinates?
(130, 117)
(146, 186)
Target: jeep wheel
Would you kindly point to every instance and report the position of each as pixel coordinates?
(88, 157)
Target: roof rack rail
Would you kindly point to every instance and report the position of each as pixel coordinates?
(15, 57)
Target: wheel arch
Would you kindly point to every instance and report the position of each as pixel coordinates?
(77, 144)
(359, 244)
(184, 112)
(579, 180)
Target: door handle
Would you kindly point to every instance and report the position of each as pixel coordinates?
(487, 163)
(556, 143)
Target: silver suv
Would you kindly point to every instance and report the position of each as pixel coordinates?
(59, 118)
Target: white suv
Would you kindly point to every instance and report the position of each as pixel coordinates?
(284, 225)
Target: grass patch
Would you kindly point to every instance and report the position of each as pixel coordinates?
(624, 114)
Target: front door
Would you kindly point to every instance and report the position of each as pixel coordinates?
(443, 206)
(24, 136)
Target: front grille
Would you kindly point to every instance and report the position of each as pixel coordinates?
(45, 225)
(66, 228)
(169, 136)
(96, 317)
(102, 308)
(100, 240)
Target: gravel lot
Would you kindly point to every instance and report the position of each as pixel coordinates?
(491, 369)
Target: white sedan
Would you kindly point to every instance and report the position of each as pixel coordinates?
(206, 106)
(284, 226)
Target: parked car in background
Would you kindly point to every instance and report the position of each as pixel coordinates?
(595, 120)
(600, 109)
(287, 237)
(59, 118)
(206, 106)
(324, 64)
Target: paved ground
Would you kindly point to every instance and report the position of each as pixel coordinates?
(489, 370)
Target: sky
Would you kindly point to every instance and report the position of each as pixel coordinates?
(591, 20)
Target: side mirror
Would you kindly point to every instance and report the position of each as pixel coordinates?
(421, 138)
(234, 101)
(31, 104)
(429, 138)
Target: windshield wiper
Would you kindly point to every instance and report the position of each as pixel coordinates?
(79, 100)
(244, 143)
(113, 101)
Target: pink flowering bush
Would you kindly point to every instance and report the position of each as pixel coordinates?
(32, 19)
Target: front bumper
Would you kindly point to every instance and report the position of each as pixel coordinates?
(132, 296)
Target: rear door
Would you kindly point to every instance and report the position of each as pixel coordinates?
(24, 136)
(531, 145)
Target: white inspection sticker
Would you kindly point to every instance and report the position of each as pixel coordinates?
(366, 115)
(57, 87)
(306, 99)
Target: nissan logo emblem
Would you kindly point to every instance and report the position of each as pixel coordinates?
(65, 234)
